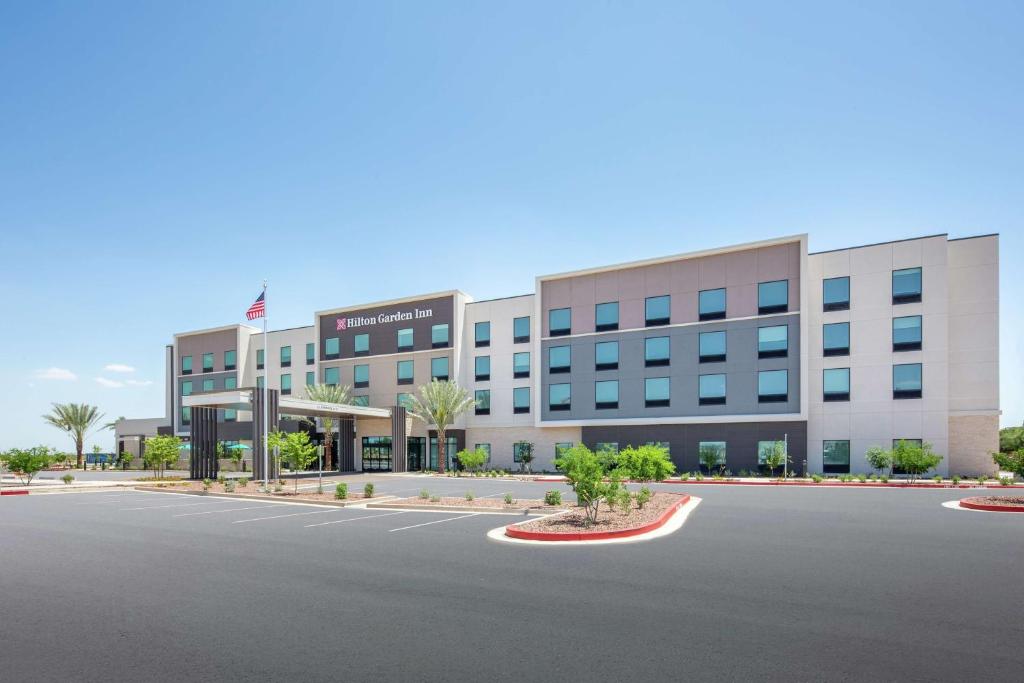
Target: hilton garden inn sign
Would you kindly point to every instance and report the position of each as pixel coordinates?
(381, 318)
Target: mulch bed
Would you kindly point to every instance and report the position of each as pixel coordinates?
(574, 521)
(253, 489)
(1001, 501)
(486, 503)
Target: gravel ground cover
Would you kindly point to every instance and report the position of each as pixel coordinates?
(574, 521)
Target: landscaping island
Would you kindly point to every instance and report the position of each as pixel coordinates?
(573, 524)
(994, 503)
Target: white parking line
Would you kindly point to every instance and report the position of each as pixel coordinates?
(173, 505)
(294, 514)
(356, 519)
(437, 521)
(213, 512)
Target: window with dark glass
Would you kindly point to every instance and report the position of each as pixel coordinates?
(332, 348)
(361, 401)
(521, 364)
(711, 304)
(906, 333)
(310, 353)
(836, 293)
(230, 414)
(404, 338)
(773, 297)
(906, 285)
(361, 344)
(310, 378)
(561, 447)
(230, 382)
(835, 457)
(260, 362)
(405, 371)
(559, 396)
(260, 381)
(773, 386)
(559, 359)
(186, 365)
(186, 388)
(656, 351)
(519, 448)
(836, 339)
(483, 401)
(606, 316)
(207, 385)
(706, 448)
(657, 392)
(486, 448)
(711, 347)
(711, 390)
(521, 330)
(286, 356)
(286, 384)
(439, 368)
(404, 400)
(186, 415)
(773, 341)
(482, 368)
(521, 400)
(230, 360)
(836, 383)
(482, 333)
(559, 322)
(439, 336)
(607, 447)
(360, 376)
(332, 376)
(906, 380)
(606, 355)
(657, 310)
(606, 394)
(207, 362)
(765, 448)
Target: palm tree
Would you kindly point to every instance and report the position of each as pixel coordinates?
(113, 425)
(76, 419)
(328, 393)
(440, 404)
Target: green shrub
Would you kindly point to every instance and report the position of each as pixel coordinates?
(872, 476)
(509, 499)
(340, 491)
(816, 478)
(469, 496)
(1006, 481)
(884, 478)
(368, 491)
(617, 496)
(435, 499)
(425, 494)
(553, 497)
(243, 481)
(278, 487)
(642, 497)
(67, 478)
(684, 476)
(472, 460)
(937, 478)
(207, 484)
(698, 476)
(956, 480)
(645, 463)
(229, 486)
(862, 478)
(220, 479)
(915, 459)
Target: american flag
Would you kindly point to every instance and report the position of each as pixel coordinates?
(258, 308)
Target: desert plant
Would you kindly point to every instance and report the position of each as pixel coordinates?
(470, 496)
(472, 460)
(645, 463)
(229, 485)
(553, 497)
(698, 476)
(424, 494)
(862, 477)
(937, 478)
(435, 499)
(278, 487)
(956, 480)
(161, 451)
(440, 404)
(816, 478)
(220, 478)
(328, 393)
(243, 481)
(341, 491)
(684, 476)
(884, 478)
(67, 478)
(368, 491)
(76, 419)
(914, 459)
(879, 458)
(509, 499)
(1006, 481)
(617, 496)
(207, 483)
(643, 496)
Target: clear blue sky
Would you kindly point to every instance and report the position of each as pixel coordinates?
(158, 160)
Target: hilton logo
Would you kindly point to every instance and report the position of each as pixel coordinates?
(398, 316)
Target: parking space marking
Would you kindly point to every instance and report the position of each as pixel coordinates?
(356, 519)
(174, 505)
(436, 521)
(213, 512)
(293, 514)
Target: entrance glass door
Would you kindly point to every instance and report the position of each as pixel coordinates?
(416, 448)
(376, 453)
(450, 448)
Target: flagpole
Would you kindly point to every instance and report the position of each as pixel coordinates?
(266, 407)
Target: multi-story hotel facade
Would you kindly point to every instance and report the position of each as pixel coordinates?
(729, 349)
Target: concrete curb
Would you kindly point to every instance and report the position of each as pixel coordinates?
(519, 512)
(970, 504)
(522, 534)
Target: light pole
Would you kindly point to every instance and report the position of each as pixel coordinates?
(320, 472)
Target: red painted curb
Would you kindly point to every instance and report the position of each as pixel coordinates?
(13, 493)
(833, 484)
(512, 532)
(970, 505)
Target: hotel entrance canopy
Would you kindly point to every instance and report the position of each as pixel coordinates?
(242, 399)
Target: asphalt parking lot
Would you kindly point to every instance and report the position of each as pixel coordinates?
(760, 583)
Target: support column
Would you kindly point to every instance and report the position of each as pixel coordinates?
(345, 445)
(203, 462)
(257, 432)
(399, 440)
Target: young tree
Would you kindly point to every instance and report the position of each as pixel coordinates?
(328, 393)
(275, 446)
(711, 457)
(124, 459)
(161, 451)
(526, 456)
(585, 474)
(913, 459)
(440, 404)
(236, 455)
(775, 457)
(77, 419)
(472, 459)
(299, 453)
(879, 458)
(1011, 462)
(645, 463)
(27, 462)
(96, 450)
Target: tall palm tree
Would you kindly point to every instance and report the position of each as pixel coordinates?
(76, 419)
(440, 404)
(328, 393)
(113, 425)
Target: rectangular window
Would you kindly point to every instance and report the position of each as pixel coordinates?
(664, 445)
(773, 297)
(559, 359)
(439, 336)
(404, 371)
(186, 415)
(360, 376)
(521, 330)
(404, 400)
(764, 448)
(606, 316)
(482, 368)
(559, 322)
(906, 333)
(486, 448)
(836, 339)
(332, 376)
(230, 414)
(606, 447)
(656, 351)
(559, 396)
(711, 347)
(230, 383)
(310, 353)
(773, 342)
(286, 356)
(706, 448)
(482, 333)
(773, 386)
(606, 394)
(521, 364)
(906, 381)
(561, 447)
(606, 355)
(657, 310)
(259, 359)
(711, 390)
(835, 294)
(286, 384)
(207, 385)
(361, 401)
(310, 378)
(836, 383)
(906, 285)
(835, 457)
(332, 348)
(518, 448)
(230, 360)
(657, 392)
(259, 381)
(711, 304)
(186, 388)
(521, 400)
(404, 339)
(186, 365)
(483, 401)
(361, 344)
(207, 362)
(439, 368)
